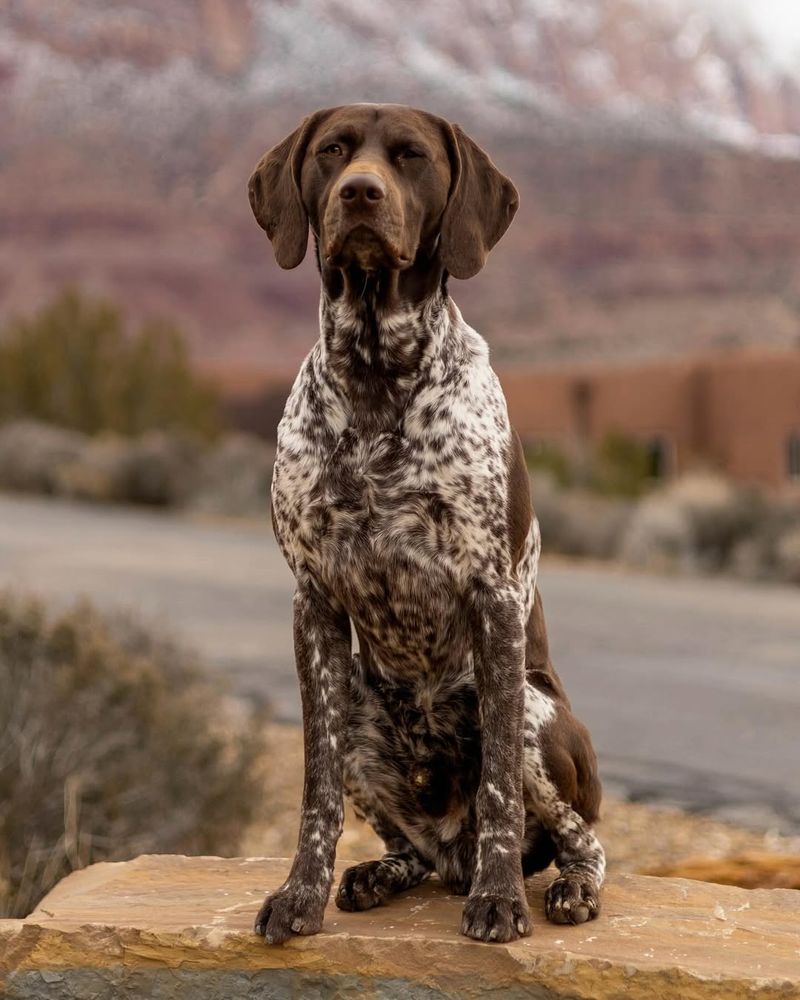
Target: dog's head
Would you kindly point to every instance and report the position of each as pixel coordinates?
(379, 183)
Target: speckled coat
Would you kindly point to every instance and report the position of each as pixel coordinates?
(400, 501)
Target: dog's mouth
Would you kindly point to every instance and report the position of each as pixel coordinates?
(367, 248)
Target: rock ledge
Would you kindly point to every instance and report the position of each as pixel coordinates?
(167, 927)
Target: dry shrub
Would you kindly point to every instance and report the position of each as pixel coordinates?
(74, 365)
(719, 513)
(113, 743)
(100, 472)
(158, 468)
(32, 455)
(621, 466)
(234, 477)
(161, 468)
(695, 523)
(659, 535)
(579, 523)
(766, 553)
(788, 555)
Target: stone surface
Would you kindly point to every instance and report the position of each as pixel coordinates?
(166, 927)
(751, 870)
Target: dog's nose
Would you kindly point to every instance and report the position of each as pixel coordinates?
(362, 189)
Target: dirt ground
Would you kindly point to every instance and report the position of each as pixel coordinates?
(637, 838)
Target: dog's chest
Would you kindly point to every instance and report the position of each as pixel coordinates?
(384, 534)
(395, 520)
(374, 500)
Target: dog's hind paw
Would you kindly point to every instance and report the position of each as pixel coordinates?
(364, 886)
(290, 910)
(496, 918)
(571, 900)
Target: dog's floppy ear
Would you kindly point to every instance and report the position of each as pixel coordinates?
(274, 190)
(481, 206)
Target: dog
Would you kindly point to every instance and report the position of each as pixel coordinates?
(401, 502)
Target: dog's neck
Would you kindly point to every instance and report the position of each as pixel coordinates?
(381, 333)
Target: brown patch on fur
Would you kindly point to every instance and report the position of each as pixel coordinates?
(566, 744)
(572, 765)
(519, 509)
(539, 667)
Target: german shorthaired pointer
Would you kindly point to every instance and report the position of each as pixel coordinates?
(400, 500)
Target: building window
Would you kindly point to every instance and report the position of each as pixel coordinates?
(793, 457)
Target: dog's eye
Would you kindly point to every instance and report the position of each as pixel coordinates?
(332, 149)
(409, 153)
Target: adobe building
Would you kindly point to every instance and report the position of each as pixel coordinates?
(738, 412)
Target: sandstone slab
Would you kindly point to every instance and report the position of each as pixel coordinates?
(165, 927)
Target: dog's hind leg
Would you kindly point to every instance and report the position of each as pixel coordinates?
(369, 786)
(563, 792)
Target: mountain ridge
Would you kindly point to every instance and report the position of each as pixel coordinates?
(656, 154)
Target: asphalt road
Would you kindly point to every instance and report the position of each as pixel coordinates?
(691, 688)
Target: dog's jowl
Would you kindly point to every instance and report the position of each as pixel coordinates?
(400, 500)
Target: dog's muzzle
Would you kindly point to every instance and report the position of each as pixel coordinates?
(362, 223)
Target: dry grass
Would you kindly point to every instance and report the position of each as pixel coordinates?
(112, 743)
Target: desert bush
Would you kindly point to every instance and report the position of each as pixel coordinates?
(719, 514)
(620, 466)
(157, 468)
(73, 365)
(579, 523)
(99, 472)
(545, 458)
(234, 477)
(112, 743)
(162, 468)
(788, 555)
(32, 455)
(700, 522)
(659, 536)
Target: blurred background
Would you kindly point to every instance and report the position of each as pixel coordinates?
(643, 313)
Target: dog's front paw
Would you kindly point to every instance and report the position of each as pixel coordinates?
(293, 909)
(571, 900)
(490, 917)
(363, 886)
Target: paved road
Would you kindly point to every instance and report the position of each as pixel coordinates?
(691, 688)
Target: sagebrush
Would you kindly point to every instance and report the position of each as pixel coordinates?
(113, 743)
(74, 365)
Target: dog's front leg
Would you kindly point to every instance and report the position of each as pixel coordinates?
(496, 909)
(322, 649)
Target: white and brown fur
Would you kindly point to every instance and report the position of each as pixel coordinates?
(400, 500)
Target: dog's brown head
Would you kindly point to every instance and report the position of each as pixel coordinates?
(380, 183)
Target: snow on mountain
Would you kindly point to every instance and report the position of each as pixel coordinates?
(507, 64)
